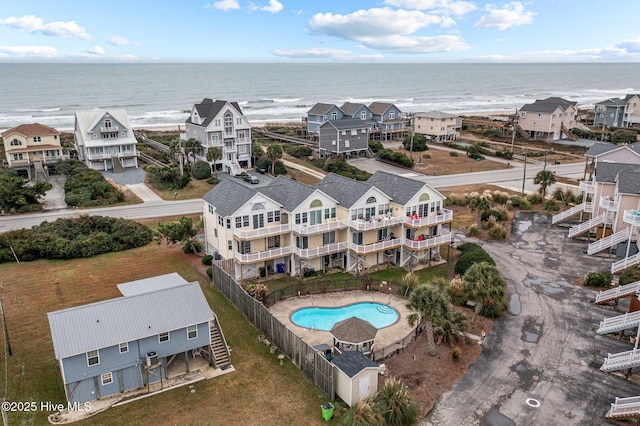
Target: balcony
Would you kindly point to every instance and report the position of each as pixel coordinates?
(371, 248)
(631, 217)
(98, 156)
(444, 216)
(334, 224)
(587, 187)
(263, 255)
(440, 240)
(375, 222)
(126, 154)
(246, 234)
(322, 250)
(111, 129)
(609, 204)
(231, 148)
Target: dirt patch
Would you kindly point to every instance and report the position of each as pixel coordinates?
(428, 377)
(442, 163)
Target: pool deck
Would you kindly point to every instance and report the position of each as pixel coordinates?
(385, 336)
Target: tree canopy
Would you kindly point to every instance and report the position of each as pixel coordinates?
(17, 196)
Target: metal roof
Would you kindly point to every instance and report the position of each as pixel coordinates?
(148, 285)
(352, 362)
(125, 319)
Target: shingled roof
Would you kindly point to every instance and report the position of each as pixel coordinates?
(352, 362)
(228, 196)
(346, 124)
(321, 109)
(288, 192)
(607, 172)
(379, 108)
(600, 148)
(354, 330)
(350, 108)
(629, 182)
(613, 102)
(208, 109)
(35, 129)
(400, 189)
(548, 105)
(344, 190)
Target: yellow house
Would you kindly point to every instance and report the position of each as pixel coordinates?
(31, 146)
(437, 125)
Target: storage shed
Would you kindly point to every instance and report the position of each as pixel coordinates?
(355, 377)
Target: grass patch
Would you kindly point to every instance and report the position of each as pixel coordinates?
(194, 189)
(259, 392)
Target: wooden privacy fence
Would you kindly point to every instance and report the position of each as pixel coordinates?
(313, 364)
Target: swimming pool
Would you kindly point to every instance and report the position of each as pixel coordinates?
(378, 314)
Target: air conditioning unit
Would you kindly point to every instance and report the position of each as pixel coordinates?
(152, 358)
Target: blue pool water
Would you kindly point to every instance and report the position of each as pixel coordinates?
(377, 314)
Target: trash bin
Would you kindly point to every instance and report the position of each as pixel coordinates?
(327, 411)
(263, 272)
(280, 268)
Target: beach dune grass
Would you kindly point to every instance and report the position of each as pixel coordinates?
(260, 391)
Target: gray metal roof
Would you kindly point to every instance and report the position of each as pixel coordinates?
(148, 285)
(228, 196)
(346, 124)
(629, 182)
(344, 190)
(354, 330)
(288, 192)
(400, 189)
(548, 105)
(352, 362)
(435, 114)
(600, 148)
(626, 98)
(321, 109)
(208, 109)
(607, 172)
(125, 319)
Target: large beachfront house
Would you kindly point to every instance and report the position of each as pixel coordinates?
(345, 136)
(616, 112)
(391, 122)
(159, 323)
(321, 113)
(290, 227)
(436, 125)
(611, 203)
(548, 119)
(632, 111)
(221, 124)
(30, 148)
(104, 139)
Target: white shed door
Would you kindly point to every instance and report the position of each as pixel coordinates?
(363, 386)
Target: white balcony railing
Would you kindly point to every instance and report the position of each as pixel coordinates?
(112, 129)
(445, 238)
(632, 217)
(370, 248)
(261, 232)
(375, 222)
(263, 255)
(609, 204)
(588, 206)
(322, 250)
(446, 215)
(98, 156)
(587, 186)
(331, 225)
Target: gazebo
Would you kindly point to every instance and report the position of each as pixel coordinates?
(353, 334)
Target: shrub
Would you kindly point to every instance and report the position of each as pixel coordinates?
(491, 222)
(629, 276)
(524, 205)
(263, 163)
(375, 146)
(280, 168)
(456, 353)
(471, 255)
(498, 214)
(498, 232)
(210, 272)
(558, 194)
(505, 154)
(298, 151)
(551, 206)
(201, 170)
(473, 231)
(213, 181)
(86, 187)
(426, 156)
(515, 200)
(395, 157)
(453, 154)
(598, 279)
(206, 259)
(534, 198)
(499, 197)
(419, 143)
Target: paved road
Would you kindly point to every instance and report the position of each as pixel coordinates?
(544, 347)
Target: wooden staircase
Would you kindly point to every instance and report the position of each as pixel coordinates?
(522, 132)
(117, 165)
(625, 263)
(557, 218)
(568, 133)
(625, 408)
(586, 226)
(219, 348)
(40, 170)
(608, 241)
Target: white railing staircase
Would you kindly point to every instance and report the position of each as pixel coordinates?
(234, 168)
(608, 241)
(580, 229)
(625, 408)
(617, 292)
(557, 218)
(620, 322)
(219, 348)
(621, 361)
(625, 263)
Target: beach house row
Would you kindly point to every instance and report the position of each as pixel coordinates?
(290, 227)
(616, 112)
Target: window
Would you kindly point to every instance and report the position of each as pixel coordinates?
(371, 200)
(357, 238)
(273, 242)
(106, 378)
(392, 115)
(229, 244)
(123, 348)
(382, 233)
(16, 142)
(242, 149)
(215, 232)
(17, 156)
(220, 221)
(258, 221)
(273, 216)
(423, 210)
(217, 123)
(298, 219)
(316, 217)
(330, 213)
(37, 139)
(242, 221)
(93, 358)
(228, 123)
(363, 115)
(384, 208)
(334, 115)
(329, 238)
(245, 247)
(346, 144)
(354, 132)
(304, 217)
(238, 121)
(228, 223)
(107, 123)
(192, 332)
(302, 242)
(523, 114)
(163, 337)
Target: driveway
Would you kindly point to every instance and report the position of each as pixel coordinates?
(544, 347)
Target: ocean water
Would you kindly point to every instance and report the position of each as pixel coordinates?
(156, 95)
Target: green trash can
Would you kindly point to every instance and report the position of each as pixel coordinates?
(327, 411)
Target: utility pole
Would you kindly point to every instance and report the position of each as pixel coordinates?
(413, 118)
(524, 173)
(513, 134)
(604, 123)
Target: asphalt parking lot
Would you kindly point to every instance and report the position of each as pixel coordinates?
(544, 349)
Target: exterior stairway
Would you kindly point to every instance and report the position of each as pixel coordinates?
(522, 132)
(557, 218)
(219, 347)
(577, 230)
(40, 170)
(609, 241)
(568, 133)
(625, 408)
(234, 168)
(618, 292)
(117, 165)
(621, 361)
(625, 263)
(620, 322)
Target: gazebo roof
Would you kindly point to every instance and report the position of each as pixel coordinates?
(354, 330)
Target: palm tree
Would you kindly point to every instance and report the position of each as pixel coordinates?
(483, 284)
(191, 146)
(274, 153)
(395, 404)
(451, 327)
(544, 178)
(430, 304)
(214, 154)
(411, 281)
(256, 152)
(364, 413)
(482, 204)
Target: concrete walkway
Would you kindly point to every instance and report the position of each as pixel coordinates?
(307, 170)
(144, 192)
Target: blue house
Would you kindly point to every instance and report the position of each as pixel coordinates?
(345, 136)
(610, 113)
(390, 121)
(109, 347)
(321, 113)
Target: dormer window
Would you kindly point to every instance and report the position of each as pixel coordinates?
(107, 123)
(16, 142)
(334, 115)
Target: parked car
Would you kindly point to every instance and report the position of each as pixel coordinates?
(251, 179)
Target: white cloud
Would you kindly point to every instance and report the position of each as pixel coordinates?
(274, 6)
(440, 6)
(96, 50)
(311, 53)
(33, 24)
(297, 12)
(510, 15)
(44, 52)
(121, 41)
(223, 5)
(416, 44)
(630, 46)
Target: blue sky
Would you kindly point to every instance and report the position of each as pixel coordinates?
(320, 31)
